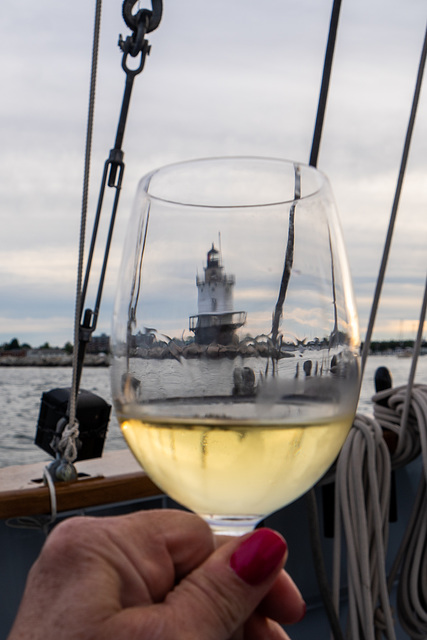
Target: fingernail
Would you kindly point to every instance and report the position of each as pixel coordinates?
(304, 611)
(258, 556)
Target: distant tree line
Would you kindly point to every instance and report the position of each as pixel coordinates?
(15, 345)
(382, 346)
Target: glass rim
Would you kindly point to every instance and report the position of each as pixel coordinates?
(145, 181)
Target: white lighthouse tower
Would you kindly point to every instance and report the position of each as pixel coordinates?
(216, 321)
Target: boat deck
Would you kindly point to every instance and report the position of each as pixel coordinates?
(116, 477)
(115, 484)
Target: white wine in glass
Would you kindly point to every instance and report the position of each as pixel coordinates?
(235, 372)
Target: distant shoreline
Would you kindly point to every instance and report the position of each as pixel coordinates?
(91, 360)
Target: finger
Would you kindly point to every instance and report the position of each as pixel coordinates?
(261, 628)
(283, 601)
(220, 596)
(216, 599)
(157, 547)
(238, 634)
(142, 555)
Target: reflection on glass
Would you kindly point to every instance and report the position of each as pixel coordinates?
(235, 342)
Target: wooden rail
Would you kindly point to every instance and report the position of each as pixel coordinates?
(116, 477)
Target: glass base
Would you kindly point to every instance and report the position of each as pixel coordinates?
(231, 525)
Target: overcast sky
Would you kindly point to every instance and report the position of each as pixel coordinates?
(233, 77)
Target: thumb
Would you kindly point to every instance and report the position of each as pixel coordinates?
(218, 597)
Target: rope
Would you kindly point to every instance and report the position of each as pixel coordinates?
(411, 558)
(39, 523)
(362, 477)
(417, 349)
(361, 512)
(363, 474)
(363, 483)
(67, 445)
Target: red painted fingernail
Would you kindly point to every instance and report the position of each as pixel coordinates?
(258, 556)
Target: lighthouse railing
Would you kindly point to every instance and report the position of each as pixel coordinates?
(233, 319)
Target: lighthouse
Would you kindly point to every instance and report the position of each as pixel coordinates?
(216, 320)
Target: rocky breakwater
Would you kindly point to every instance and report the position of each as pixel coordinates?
(194, 350)
(44, 358)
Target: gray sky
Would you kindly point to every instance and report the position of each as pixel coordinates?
(234, 77)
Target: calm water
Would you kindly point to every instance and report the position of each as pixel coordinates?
(21, 389)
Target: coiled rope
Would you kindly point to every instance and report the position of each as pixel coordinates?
(361, 512)
(362, 478)
(411, 558)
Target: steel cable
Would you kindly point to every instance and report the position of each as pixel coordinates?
(67, 444)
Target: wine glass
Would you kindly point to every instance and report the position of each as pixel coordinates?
(235, 370)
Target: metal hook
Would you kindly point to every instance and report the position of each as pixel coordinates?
(154, 15)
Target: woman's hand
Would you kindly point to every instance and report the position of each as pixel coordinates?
(156, 575)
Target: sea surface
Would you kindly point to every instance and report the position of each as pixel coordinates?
(21, 389)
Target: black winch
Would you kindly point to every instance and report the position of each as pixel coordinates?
(93, 414)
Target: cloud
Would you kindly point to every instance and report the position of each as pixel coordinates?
(241, 78)
(53, 266)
